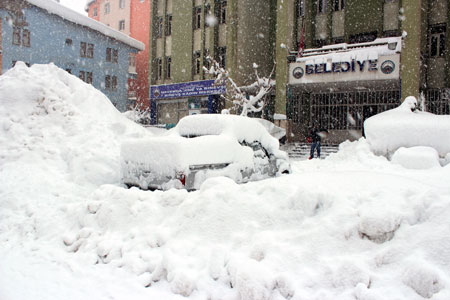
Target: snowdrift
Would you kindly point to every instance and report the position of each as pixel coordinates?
(353, 226)
(48, 115)
(402, 127)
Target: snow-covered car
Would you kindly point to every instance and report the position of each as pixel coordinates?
(200, 147)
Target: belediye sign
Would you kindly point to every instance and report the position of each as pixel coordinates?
(383, 68)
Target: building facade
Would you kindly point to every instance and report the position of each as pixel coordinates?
(40, 32)
(132, 17)
(184, 33)
(359, 58)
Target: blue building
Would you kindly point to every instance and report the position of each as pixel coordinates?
(43, 31)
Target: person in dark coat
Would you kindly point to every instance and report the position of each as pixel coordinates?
(316, 136)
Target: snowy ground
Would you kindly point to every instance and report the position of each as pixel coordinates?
(352, 226)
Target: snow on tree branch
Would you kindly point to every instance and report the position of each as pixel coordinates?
(239, 96)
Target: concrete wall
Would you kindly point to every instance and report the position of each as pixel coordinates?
(48, 45)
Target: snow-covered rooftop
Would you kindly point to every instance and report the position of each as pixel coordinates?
(75, 17)
(361, 51)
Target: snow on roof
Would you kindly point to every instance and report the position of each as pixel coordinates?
(360, 51)
(75, 17)
(88, 2)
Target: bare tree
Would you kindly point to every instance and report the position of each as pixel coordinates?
(241, 97)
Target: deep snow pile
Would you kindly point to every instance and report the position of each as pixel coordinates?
(402, 127)
(353, 226)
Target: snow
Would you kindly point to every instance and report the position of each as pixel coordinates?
(202, 140)
(346, 52)
(402, 127)
(417, 157)
(77, 18)
(352, 226)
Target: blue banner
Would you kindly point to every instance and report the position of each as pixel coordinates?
(186, 89)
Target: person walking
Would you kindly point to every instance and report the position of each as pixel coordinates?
(316, 136)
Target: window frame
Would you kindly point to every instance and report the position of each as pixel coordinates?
(107, 82)
(197, 63)
(114, 83)
(322, 7)
(168, 67)
(95, 11)
(109, 54)
(121, 25)
(159, 69)
(26, 38)
(90, 50)
(83, 49)
(438, 32)
(197, 17)
(107, 8)
(168, 25)
(223, 12)
(115, 56)
(338, 5)
(82, 75)
(89, 77)
(159, 27)
(17, 36)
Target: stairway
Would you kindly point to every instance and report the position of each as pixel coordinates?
(300, 151)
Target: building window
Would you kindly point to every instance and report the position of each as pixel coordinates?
(115, 56)
(82, 75)
(222, 56)
(132, 60)
(26, 38)
(114, 83)
(339, 5)
(222, 12)
(112, 55)
(321, 6)
(197, 17)
(83, 49)
(159, 68)
(107, 8)
(86, 50)
(89, 77)
(16, 36)
(107, 82)
(122, 4)
(168, 25)
(69, 42)
(122, 25)
(300, 9)
(159, 27)
(108, 54)
(90, 51)
(197, 63)
(95, 13)
(437, 40)
(168, 67)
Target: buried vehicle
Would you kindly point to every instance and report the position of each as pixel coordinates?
(200, 147)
